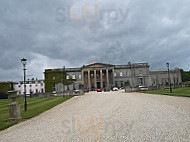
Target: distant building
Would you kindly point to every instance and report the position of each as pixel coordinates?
(99, 75)
(32, 87)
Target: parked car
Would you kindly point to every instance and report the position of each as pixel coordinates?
(93, 89)
(54, 93)
(106, 89)
(143, 88)
(76, 91)
(115, 89)
(86, 90)
(99, 90)
(140, 86)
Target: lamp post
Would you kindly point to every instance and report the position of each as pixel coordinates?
(23, 60)
(63, 80)
(169, 80)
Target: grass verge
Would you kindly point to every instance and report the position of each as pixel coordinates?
(35, 107)
(187, 82)
(183, 92)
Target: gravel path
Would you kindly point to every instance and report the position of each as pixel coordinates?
(108, 117)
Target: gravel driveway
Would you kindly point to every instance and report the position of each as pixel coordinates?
(108, 117)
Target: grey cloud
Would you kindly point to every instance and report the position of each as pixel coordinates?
(153, 31)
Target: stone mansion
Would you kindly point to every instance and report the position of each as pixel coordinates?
(100, 75)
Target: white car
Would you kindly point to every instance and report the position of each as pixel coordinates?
(54, 93)
(76, 91)
(143, 88)
(115, 89)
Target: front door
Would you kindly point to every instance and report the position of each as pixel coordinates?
(98, 85)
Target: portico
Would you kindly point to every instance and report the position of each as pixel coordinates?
(97, 76)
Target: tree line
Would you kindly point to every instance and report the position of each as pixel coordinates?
(185, 75)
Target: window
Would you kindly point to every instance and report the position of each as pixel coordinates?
(115, 74)
(73, 76)
(53, 77)
(53, 87)
(36, 90)
(41, 84)
(140, 71)
(162, 81)
(141, 81)
(121, 74)
(122, 84)
(67, 77)
(79, 76)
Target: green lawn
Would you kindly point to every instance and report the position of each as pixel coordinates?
(187, 82)
(185, 92)
(35, 107)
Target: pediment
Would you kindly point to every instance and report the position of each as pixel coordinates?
(98, 65)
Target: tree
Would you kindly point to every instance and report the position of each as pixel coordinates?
(185, 75)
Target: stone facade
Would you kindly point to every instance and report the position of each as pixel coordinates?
(160, 78)
(99, 75)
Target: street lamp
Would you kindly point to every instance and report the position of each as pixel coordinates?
(169, 80)
(23, 60)
(63, 79)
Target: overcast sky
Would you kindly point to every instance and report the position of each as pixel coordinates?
(56, 33)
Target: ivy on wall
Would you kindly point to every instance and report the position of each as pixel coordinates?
(56, 76)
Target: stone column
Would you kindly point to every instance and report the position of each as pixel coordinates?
(107, 77)
(132, 77)
(95, 83)
(89, 83)
(82, 77)
(101, 80)
(113, 77)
